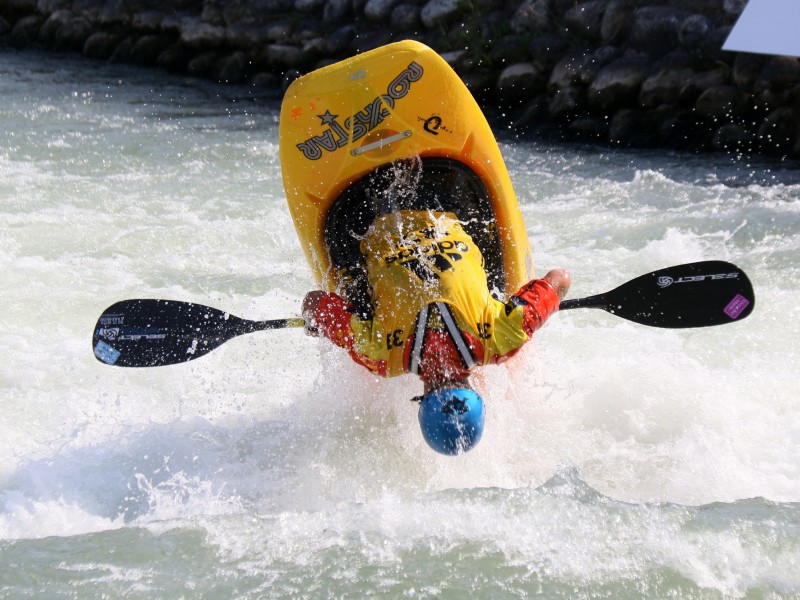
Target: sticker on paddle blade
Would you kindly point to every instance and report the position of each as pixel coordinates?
(106, 353)
(736, 306)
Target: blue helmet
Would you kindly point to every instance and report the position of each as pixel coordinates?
(451, 419)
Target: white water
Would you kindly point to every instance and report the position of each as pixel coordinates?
(618, 460)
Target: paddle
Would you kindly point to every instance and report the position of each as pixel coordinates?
(149, 333)
(697, 294)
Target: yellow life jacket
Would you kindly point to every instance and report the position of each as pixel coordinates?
(418, 258)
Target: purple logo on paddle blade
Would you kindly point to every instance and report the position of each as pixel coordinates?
(736, 306)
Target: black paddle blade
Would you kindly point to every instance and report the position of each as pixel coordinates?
(698, 294)
(149, 333)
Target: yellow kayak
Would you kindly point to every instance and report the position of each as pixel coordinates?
(395, 118)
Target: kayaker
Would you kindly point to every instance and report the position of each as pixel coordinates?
(432, 315)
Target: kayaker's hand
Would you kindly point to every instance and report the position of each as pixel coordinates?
(310, 303)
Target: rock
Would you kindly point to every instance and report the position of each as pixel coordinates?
(618, 83)
(308, 6)
(14, 10)
(202, 65)
(25, 31)
(746, 69)
(616, 24)
(580, 67)
(732, 136)
(509, 49)
(56, 20)
(630, 127)
(340, 39)
(532, 16)
(720, 103)
(405, 17)
(5, 26)
(232, 68)
(585, 19)
(283, 56)
(699, 82)
(664, 87)
(72, 35)
(146, 49)
(780, 131)
(780, 72)
(694, 30)
(122, 53)
(589, 128)
(114, 14)
(379, 10)
(655, 29)
(733, 8)
(199, 35)
(521, 80)
(565, 102)
(438, 12)
(546, 51)
(175, 58)
(148, 21)
(336, 10)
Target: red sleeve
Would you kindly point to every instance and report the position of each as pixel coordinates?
(333, 319)
(538, 300)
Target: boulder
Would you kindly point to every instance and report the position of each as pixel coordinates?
(720, 103)
(656, 29)
(405, 17)
(532, 16)
(520, 80)
(616, 23)
(780, 131)
(580, 67)
(199, 35)
(694, 31)
(379, 11)
(438, 12)
(618, 83)
(585, 19)
(664, 87)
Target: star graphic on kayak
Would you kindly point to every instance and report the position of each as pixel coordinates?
(327, 118)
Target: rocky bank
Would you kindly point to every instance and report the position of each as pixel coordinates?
(647, 73)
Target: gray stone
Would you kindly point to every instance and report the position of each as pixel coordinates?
(655, 29)
(548, 50)
(565, 102)
(438, 12)
(732, 136)
(378, 11)
(780, 72)
(618, 83)
(336, 10)
(47, 33)
(146, 49)
(532, 16)
(720, 103)
(780, 131)
(5, 26)
(308, 6)
(746, 68)
(197, 34)
(283, 55)
(694, 30)
(73, 35)
(616, 23)
(405, 17)
(114, 13)
(664, 87)
(521, 80)
(585, 19)
(232, 68)
(148, 21)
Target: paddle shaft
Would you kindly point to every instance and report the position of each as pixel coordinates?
(147, 332)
